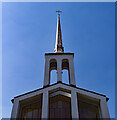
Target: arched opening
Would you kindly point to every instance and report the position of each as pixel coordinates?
(53, 77)
(65, 76)
(53, 71)
(65, 71)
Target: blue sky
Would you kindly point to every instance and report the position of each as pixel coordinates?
(29, 31)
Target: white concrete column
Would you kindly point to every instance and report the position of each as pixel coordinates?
(71, 70)
(45, 104)
(59, 70)
(15, 109)
(104, 108)
(46, 73)
(74, 104)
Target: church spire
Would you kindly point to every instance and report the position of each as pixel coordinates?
(58, 45)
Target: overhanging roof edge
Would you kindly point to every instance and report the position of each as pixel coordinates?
(63, 84)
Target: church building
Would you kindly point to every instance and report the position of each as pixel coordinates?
(60, 100)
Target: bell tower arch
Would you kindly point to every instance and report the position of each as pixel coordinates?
(59, 61)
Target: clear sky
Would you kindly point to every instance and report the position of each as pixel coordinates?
(29, 31)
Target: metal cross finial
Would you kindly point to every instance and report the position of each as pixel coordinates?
(59, 11)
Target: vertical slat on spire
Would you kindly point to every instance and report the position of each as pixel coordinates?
(58, 45)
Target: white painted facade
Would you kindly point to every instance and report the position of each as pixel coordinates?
(74, 90)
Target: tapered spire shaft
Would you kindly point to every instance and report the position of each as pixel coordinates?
(58, 45)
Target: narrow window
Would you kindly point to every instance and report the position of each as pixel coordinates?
(88, 107)
(59, 107)
(31, 108)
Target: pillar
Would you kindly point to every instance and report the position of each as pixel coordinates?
(71, 70)
(74, 104)
(45, 104)
(46, 73)
(15, 109)
(104, 108)
(59, 71)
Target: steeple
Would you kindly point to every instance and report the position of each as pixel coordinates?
(58, 45)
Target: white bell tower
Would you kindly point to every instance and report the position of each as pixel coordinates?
(59, 60)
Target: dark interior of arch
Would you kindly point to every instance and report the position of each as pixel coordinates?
(53, 64)
(65, 64)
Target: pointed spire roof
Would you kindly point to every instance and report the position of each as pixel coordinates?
(58, 45)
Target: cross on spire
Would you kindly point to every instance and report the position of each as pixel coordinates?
(58, 45)
(59, 11)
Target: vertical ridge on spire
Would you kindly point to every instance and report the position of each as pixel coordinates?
(58, 45)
